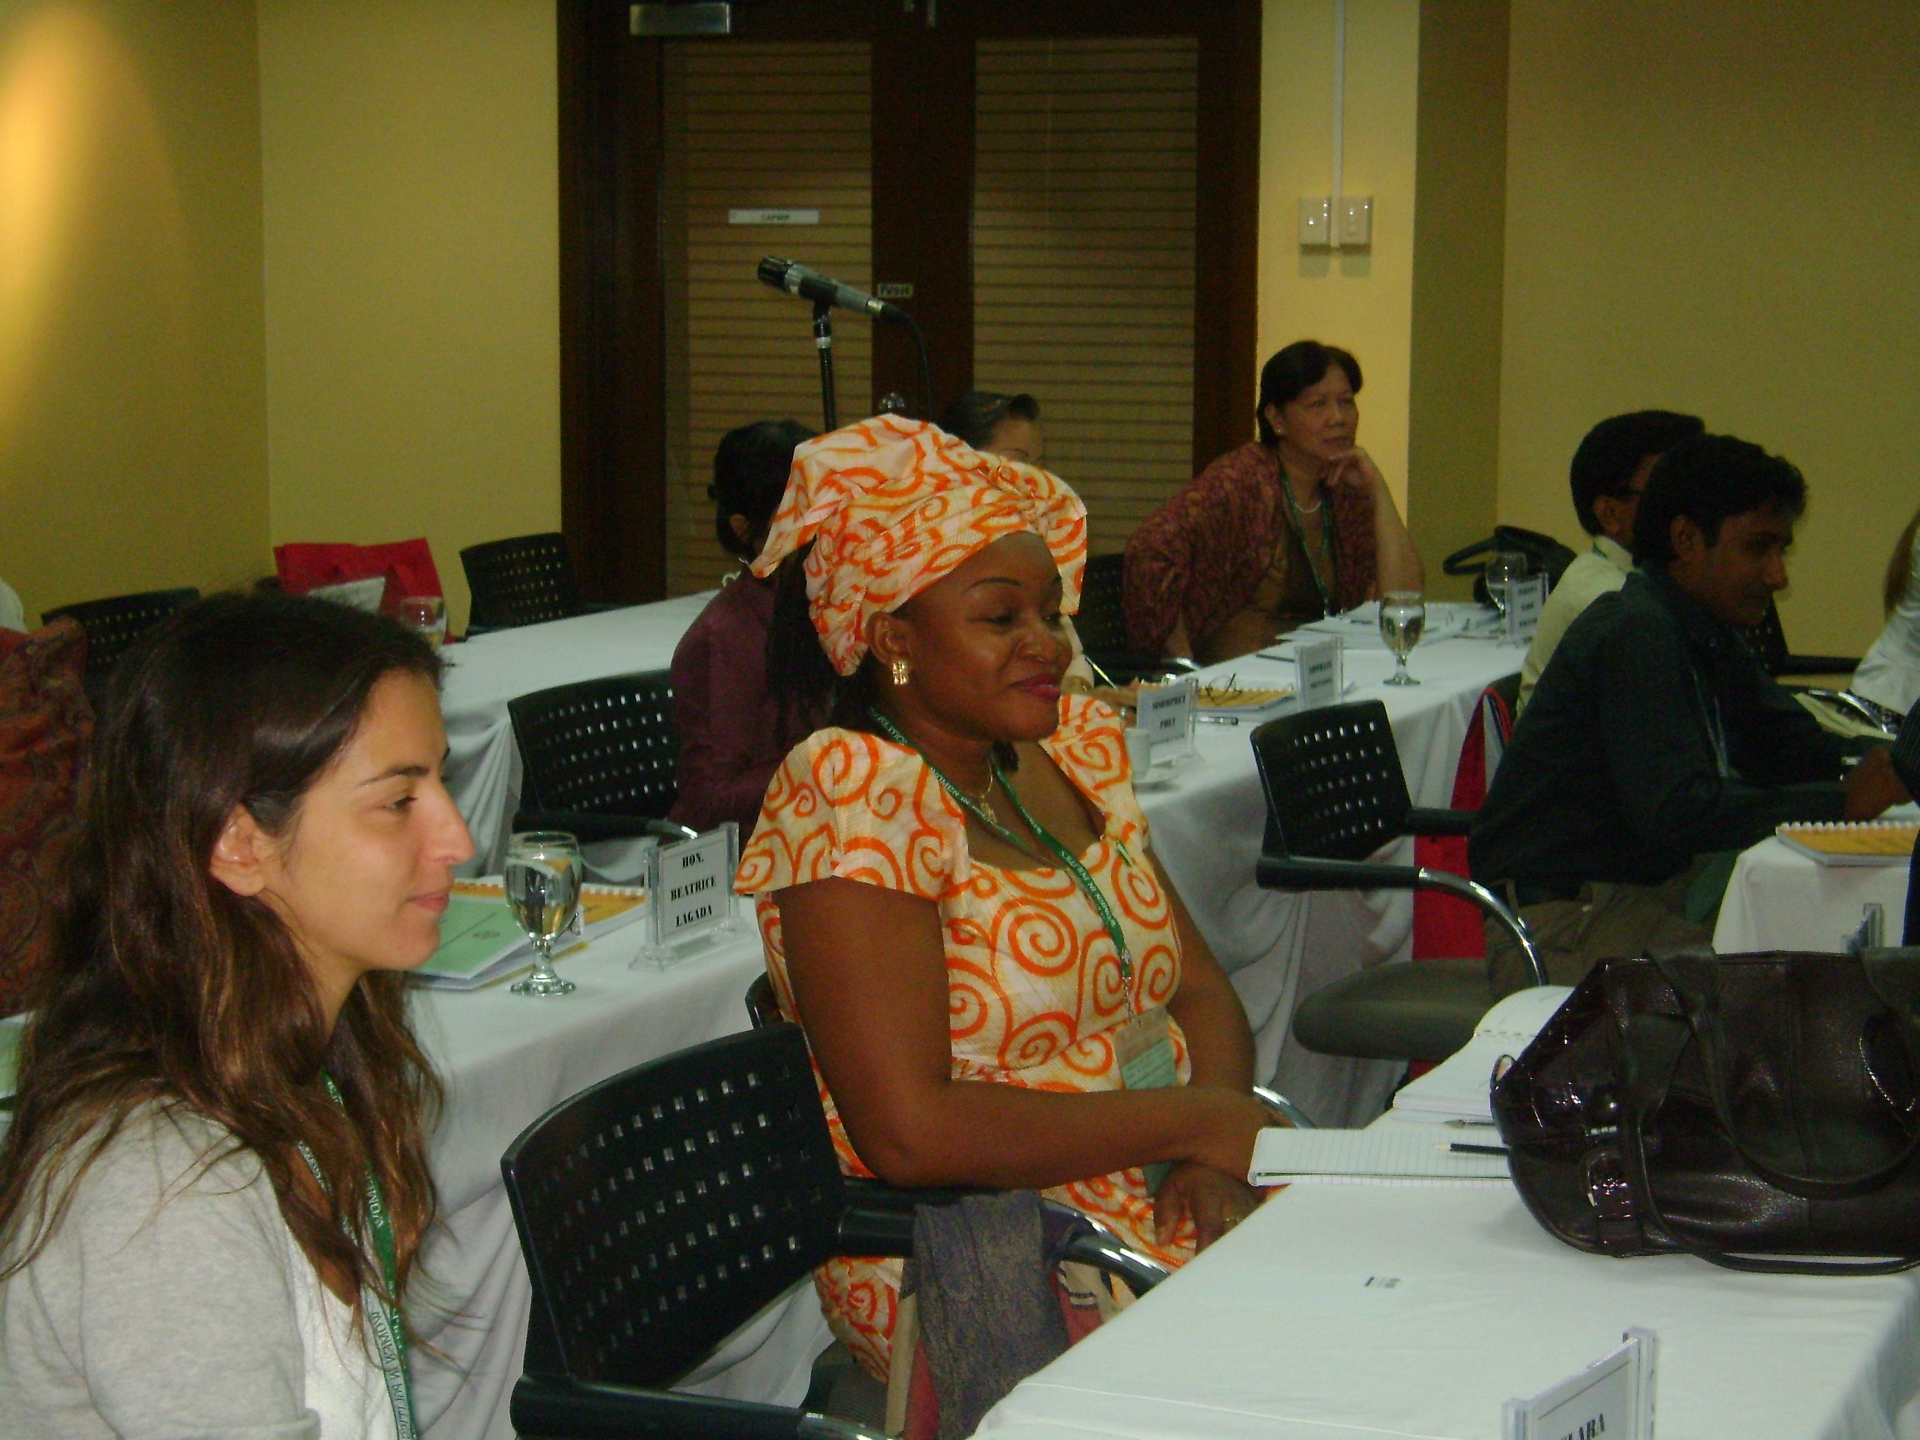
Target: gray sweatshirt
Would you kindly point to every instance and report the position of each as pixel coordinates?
(170, 1305)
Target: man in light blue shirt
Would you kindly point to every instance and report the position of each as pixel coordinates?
(1609, 471)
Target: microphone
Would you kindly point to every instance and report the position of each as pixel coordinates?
(797, 279)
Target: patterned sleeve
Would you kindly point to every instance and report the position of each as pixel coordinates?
(852, 805)
(1091, 747)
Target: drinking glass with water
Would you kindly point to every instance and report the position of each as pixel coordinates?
(542, 876)
(1403, 616)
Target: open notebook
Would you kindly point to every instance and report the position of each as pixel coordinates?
(1457, 1088)
(1376, 1156)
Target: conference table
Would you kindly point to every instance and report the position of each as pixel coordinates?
(1781, 899)
(1206, 813)
(1348, 1311)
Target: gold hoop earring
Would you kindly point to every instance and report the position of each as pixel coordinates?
(899, 672)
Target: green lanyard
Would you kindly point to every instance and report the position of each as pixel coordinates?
(1326, 541)
(389, 1334)
(1068, 860)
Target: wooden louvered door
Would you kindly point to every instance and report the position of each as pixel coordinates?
(1083, 259)
(759, 126)
(1069, 187)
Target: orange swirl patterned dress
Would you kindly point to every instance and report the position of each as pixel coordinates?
(1035, 990)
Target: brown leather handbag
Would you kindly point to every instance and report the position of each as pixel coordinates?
(1754, 1110)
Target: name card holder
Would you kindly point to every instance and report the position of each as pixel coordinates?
(1167, 714)
(1613, 1397)
(1321, 672)
(690, 887)
(1525, 599)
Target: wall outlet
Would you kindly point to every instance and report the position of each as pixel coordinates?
(1355, 222)
(1316, 222)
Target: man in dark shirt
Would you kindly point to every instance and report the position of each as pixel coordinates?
(1654, 738)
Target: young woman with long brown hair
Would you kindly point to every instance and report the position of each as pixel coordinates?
(214, 1190)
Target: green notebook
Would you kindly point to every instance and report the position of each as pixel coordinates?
(475, 933)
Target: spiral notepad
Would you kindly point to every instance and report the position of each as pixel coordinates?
(1861, 842)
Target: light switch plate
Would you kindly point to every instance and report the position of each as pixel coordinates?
(1355, 222)
(1316, 221)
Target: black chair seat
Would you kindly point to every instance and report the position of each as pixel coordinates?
(524, 580)
(600, 758)
(113, 625)
(662, 1208)
(1336, 795)
(1421, 1010)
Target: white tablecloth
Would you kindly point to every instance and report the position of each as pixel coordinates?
(1272, 1334)
(1780, 899)
(508, 1060)
(483, 764)
(1207, 826)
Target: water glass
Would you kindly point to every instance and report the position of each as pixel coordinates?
(425, 614)
(1503, 571)
(1403, 616)
(542, 876)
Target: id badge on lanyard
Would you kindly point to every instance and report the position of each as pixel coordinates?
(1143, 1048)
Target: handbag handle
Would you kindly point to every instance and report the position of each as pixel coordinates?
(1633, 1152)
(1695, 978)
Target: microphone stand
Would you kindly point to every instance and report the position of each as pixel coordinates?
(823, 342)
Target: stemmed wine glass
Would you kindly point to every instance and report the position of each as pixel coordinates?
(1403, 615)
(543, 892)
(1503, 571)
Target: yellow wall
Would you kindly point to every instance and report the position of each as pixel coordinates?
(1361, 300)
(132, 411)
(412, 258)
(1714, 206)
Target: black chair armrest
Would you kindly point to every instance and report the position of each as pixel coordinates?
(585, 825)
(877, 1218)
(1422, 821)
(1293, 872)
(562, 1409)
(1817, 665)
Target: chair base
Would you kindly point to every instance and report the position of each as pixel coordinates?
(1421, 1010)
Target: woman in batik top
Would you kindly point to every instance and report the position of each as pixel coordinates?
(1286, 529)
(956, 886)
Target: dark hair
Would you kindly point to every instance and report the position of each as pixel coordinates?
(166, 987)
(1708, 479)
(1301, 364)
(749, 476)
(976, 414)
(799, 674)
(1900, 566)
(1613, 449)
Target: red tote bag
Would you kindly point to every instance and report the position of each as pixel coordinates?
(406, 565)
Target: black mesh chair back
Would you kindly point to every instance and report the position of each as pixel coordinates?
(113, 625)
(522, 581)
(1334, 785)
(661, 1209)
(603, 747)
(1102, 617)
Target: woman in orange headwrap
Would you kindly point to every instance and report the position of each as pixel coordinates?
(954, 881)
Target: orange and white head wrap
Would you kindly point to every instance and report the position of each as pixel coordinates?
(892, 505)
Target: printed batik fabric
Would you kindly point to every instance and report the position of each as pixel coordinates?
(892, 505)
(1035, 992)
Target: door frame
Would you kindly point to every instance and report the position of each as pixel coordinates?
(613, 491)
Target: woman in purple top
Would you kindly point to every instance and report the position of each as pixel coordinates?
(733, 733)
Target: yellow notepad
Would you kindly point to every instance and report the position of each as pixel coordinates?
(1863, 842)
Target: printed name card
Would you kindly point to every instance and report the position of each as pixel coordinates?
(1320, 677)
(769, 216)
(691, 882)
(1525, 600)
(1166, 713)
(1613, 1397)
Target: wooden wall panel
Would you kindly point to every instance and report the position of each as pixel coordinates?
(755, 124)
(1083, 265)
